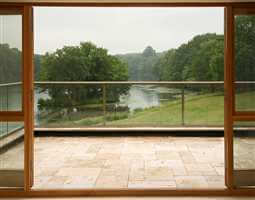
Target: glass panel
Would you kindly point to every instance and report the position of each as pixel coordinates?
(244, 156)
(204, 105)
(3, 128)
(244, 145)
(11, 154)
(245, 62)
(10, 63)
(59, 106)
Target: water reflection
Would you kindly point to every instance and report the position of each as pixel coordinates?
(141, 97)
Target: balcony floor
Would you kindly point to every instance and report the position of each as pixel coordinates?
(129, 162)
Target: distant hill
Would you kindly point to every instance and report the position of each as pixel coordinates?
(141, 66)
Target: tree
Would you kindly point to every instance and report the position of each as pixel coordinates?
(208, 61)
(85, 62)
(245, 48)
(10, 64)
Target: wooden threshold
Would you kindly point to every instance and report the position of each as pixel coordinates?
(127, 192)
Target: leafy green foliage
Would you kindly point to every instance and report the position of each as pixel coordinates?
(245, 48)
(10, 64)
(85, 62)
(201, 59)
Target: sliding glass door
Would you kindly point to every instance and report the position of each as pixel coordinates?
(239, 97)
(15, 107)
(244, 96)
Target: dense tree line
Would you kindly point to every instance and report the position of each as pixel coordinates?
(201, 59)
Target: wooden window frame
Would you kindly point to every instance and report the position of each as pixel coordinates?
(230, 8)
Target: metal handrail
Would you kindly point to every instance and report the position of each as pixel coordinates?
(10, 84)
(126, 82)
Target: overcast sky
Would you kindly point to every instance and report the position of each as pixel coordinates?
(123, 30)
(11, 30)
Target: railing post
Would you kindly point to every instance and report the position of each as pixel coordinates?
(104, 103)
(7, 99)
(7, 107)
(183, 100)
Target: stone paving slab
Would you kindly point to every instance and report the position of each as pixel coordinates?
(129, 162)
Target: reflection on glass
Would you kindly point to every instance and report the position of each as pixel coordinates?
(10, 62)
(244, 145)
(11, 154)
(245, 62)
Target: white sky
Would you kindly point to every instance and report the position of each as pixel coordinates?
(123, 30)
(11, 30)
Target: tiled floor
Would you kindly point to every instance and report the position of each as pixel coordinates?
(129, 162)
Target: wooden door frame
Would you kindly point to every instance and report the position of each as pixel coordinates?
(228, 96)
(28, 113)
(29, 97)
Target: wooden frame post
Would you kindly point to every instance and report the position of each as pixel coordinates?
(29, 95)
(228, 98)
